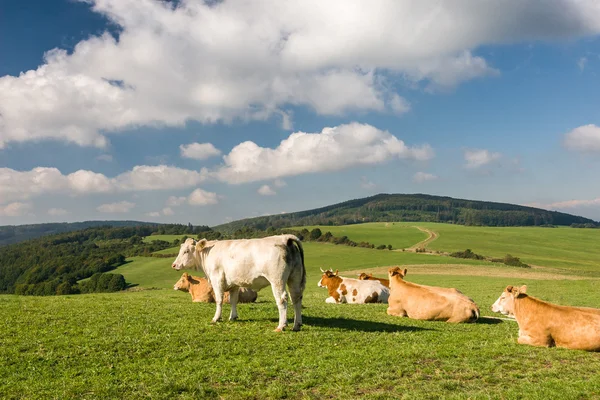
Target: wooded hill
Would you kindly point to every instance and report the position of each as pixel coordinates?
(412, 207)
(10, 234)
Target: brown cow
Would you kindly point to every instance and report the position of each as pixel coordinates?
(546, 324)
(366, 277)
(428, 303)
(202, 291)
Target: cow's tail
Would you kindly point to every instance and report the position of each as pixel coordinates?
(474, 314)
(294, 244)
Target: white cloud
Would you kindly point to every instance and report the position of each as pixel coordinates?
(105, 157)
(57, 212)
(173, 201)
(199, 151)
(477, 158)
(421, 177)
(16, 209)
(120, 207)
(567, 204)
(584, 139)
(279, 183)
(218, 61)
(201, 197)
(265, 190)
(581, 63)
(168, 211)
(23, 185)
(332, 149)
(153, 214)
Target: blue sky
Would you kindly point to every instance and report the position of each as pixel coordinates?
(205, 113)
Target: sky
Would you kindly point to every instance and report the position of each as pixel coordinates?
(205, 112)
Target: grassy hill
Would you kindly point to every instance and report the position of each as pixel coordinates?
(158, 344)
(412, 207)
(10, 234)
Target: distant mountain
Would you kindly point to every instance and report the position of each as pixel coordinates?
(10, 234)
(412, 207)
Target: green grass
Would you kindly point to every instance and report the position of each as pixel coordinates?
(158, 344)
(399, 235)
(166, 238)
(565, 248)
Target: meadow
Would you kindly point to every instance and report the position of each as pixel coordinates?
(153, 342)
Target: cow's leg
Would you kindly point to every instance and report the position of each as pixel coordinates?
(233, 299)
(281, 300)
(219, 300)
(296, 296)
(538, 340)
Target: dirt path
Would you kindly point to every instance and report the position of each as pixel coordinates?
(423, 243)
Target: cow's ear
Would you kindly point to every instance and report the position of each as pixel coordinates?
(336, 272)
(404, 272)
(523, 289)
(509, 289)
(201, 244)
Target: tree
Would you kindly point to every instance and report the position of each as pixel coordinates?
(315, 234)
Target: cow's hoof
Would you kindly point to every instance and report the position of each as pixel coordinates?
(296, 328)
(233, 319)
(278, 330)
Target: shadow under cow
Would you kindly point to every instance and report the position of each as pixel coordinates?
(358, 325)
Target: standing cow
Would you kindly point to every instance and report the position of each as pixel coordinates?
(253, 263)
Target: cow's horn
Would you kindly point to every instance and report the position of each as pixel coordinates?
(321, 269)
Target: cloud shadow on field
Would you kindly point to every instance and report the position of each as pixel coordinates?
(358, 325)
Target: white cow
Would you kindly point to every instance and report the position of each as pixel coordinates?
(252, 263)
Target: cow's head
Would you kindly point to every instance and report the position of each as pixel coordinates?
(187, 257)
(506, 302)
(365, 277)
(396, 271)
(183, 283)
(328, 278)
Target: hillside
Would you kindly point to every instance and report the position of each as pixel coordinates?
(10, 234)
(412, 207)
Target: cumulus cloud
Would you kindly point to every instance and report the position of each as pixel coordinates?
(153, 214)
(23, 185)
(332, 149)
(201, 197)
(120, 207)
(477, 158)
(56, 212)
(265, 190)
(421, 177)
(167, 211)
(16, 209)
(585, 139)
(218, 61)
(174, 201)
(199, 151)
(568, 204)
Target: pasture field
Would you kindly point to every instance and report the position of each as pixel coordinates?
(158, 344)
(563, 248)
(166, 238)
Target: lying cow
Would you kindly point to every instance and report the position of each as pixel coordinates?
(428, 303)
(353, 291)
(202, 292)
(253, 263)
(367, 277)
(546, 324)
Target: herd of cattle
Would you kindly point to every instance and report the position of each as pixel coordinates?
(236, 269)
